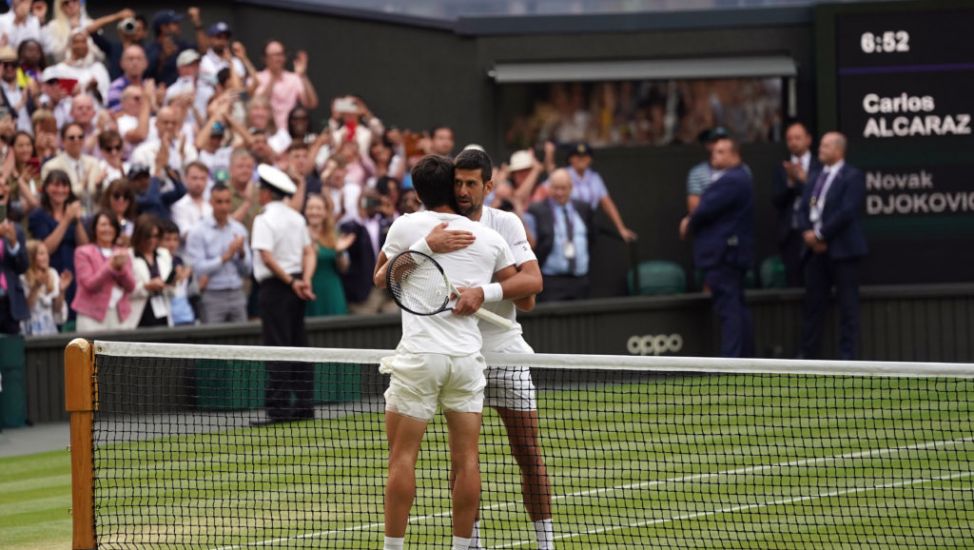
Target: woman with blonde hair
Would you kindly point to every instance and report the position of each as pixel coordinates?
(44, 290)
(68, 16)
(330, 248)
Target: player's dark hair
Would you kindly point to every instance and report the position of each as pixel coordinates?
(473, 159)
(796, 122)
(433, 181)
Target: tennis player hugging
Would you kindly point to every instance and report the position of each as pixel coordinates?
(439, 265)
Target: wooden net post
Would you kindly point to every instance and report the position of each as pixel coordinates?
(79, 401)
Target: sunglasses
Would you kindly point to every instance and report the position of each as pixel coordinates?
(8, 64)
(113, 148)
(74, 137)
(120, 196)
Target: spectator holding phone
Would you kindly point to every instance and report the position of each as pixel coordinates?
(105, 279)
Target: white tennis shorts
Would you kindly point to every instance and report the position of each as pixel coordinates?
(511, 387)
(421, 381)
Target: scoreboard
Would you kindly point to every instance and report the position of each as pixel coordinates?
(897, 79)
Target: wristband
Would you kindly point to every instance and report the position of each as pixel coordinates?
(422, 246)
(493, 293)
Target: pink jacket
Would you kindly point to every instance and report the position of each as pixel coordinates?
(96, 278)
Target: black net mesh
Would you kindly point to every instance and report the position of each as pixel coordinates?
(635, 459)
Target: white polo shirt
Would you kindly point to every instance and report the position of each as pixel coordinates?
(510, 227)
(445, 333)
(282, 231)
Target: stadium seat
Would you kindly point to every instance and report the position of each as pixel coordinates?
(773, 273)
(658, 277)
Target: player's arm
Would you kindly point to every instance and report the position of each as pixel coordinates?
(531, 274)
(381, 266)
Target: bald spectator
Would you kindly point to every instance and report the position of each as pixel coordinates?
(176, 150)
(84, 112)
(561, 230)
(285, 89)
(131, 30)
(831, 221)
(133, 64)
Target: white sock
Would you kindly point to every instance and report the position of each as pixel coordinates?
(475, 536)
(460, 543)
(393, 543)
(545, 531)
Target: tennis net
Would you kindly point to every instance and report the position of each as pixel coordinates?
(660, 452)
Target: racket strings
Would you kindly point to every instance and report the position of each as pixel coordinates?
(417, 284)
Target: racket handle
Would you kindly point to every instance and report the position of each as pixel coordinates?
(494, 318)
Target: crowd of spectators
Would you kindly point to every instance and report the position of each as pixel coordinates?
(128, 174)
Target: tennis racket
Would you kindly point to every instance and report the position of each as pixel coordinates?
(420, 286)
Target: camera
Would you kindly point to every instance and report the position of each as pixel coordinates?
(127, 25)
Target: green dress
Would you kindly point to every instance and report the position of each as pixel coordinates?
(327, 286)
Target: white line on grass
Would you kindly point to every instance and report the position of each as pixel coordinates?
(745, 507)
(638, 486)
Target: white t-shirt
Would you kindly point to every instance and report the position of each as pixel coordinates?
(510, 227)
(186, 213)
(445, 333)
(281, 230)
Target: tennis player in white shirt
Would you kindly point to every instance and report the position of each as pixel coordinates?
(438, 360)
(510, 391)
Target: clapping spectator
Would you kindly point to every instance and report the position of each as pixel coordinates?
(284, 89)
(45, 291)
(152, 266)
(169, 149)
(221, 56)
(21, 169)
(105, 279)
(180, 282)
(119, 200)
(243, 188)
(150, 195)
(16, 95)
(111, 165)
(330, 248)
(134, 116)
(19, 24)
(57, 222)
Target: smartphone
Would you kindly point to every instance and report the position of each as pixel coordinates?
(34, 163)
(3, 212)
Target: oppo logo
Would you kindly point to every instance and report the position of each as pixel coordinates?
(655, 344)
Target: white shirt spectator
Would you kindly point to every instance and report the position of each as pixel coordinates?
(17, 33)
(187, 213)
(211, 64)
(146, 152)
(14, 95)
(283, 231)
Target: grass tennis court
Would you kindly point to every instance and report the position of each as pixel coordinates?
(671, 462)
(35, 495)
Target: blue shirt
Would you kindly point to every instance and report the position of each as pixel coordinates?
(557, 263)
(205, 245)
(588, 188)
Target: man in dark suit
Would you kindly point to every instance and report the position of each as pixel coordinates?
(723, 245)
(831, 216)
(561, 228)
(13, 263)
(370, 227)
(788, 185)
